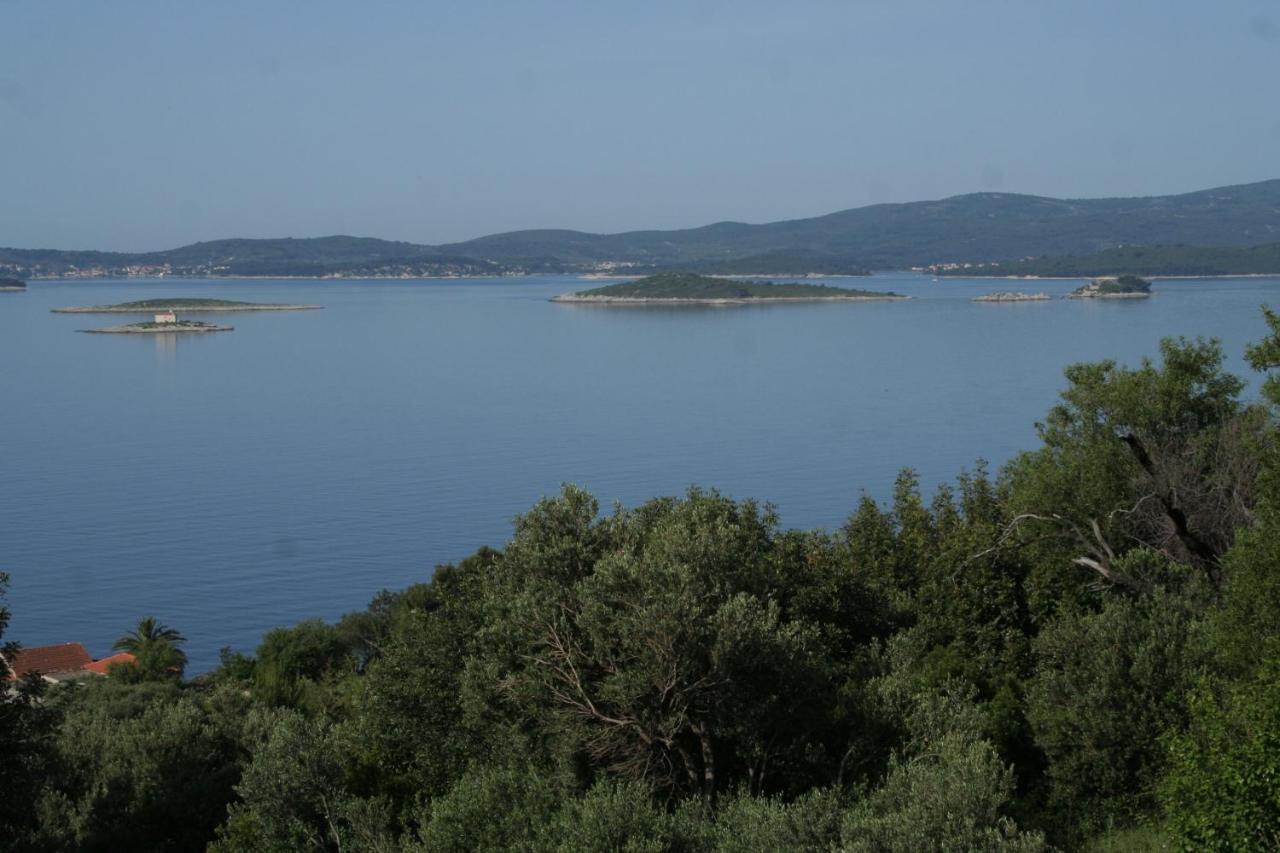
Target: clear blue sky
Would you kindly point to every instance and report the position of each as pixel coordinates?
(132, 125)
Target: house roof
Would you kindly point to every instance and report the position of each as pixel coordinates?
(100, 666)
(64, 657)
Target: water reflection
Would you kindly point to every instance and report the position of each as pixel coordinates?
(166, 348)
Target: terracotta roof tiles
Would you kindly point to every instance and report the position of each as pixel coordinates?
(64, 657)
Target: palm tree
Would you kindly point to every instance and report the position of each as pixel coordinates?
(155, 646)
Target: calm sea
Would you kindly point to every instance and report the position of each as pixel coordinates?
(233, 482)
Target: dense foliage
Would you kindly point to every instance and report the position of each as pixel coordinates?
(1081, 652)
(678, 285)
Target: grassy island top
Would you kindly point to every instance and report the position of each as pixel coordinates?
(691, 287)
(152, 304)
(1124, 285)
(185, 304)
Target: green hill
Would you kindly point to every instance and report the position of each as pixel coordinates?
(968, 228)
(312, 257)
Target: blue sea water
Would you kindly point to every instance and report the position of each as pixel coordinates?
(232, 482)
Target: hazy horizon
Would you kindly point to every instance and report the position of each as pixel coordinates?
(135, 127)
(219, 238)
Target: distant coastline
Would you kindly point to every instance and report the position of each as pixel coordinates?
(1079, 277)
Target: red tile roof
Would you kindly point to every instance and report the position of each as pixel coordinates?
(100, 666)
(64, 657)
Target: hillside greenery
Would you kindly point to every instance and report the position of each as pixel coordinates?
(691, 286)
(1080, 651)
(313, 257)
(978, 227)
(778, 263)
(1140, 260)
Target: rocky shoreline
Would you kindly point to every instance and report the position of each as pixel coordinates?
(1108, 296)
(159, 329)
(1013, 296)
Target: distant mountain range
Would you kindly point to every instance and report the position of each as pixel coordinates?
(979, 228)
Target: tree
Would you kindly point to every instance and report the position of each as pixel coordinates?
(293, 795)
(25, 732)
(1265, 355)
(135, 767)
(945, 790)
(408, 724)
(489, 809)
(292, 661)
(1163, 456)
(1222, 791)
(668, 658)
(1107, 685)
(156, 647)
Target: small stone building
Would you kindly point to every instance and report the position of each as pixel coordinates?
(166, 317)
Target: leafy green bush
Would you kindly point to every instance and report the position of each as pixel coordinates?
(1222, 789)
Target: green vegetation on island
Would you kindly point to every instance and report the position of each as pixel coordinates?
(1167, 261)
(691, 288)
(12, 284)
(165, 328)
(1113, 287)
(145, 306)
(1081, 652)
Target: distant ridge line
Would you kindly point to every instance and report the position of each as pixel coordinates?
(981, 227)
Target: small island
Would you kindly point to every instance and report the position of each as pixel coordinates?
(160, 328)
(1012, 296)
(148, 306)
(1113, 287)
(691, 289)
(12, 285)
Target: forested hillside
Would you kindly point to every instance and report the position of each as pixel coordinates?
(973, 228)
(1139, 260)
(1080, 651)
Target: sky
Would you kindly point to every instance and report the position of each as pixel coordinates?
(136, 126)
